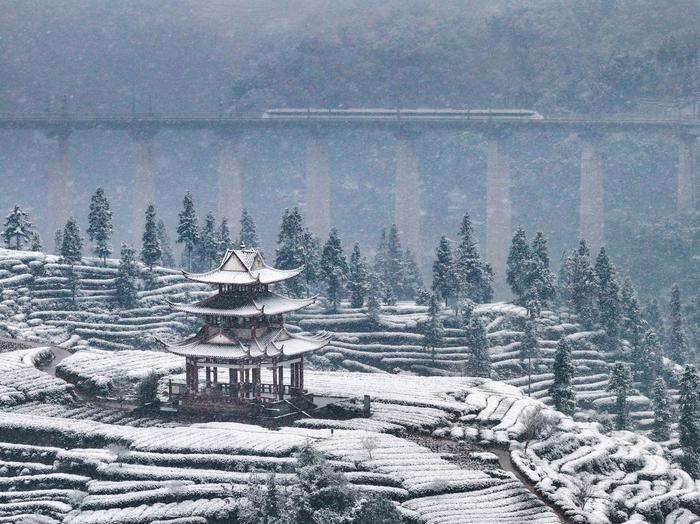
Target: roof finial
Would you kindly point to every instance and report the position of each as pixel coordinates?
(242, 244)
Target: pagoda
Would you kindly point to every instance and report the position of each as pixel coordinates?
(244, 334)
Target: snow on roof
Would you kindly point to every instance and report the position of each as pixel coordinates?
(271, 343)
(265, 303)
(243, 267)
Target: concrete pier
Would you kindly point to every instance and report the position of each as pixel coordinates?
(686, 193)
(143, 188)
(498, 206)
(591, 193)
(230, 179)
(407, 201)
(318, 184)
(60, 193)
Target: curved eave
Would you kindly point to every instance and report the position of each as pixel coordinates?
(252, 309)
(266, 275)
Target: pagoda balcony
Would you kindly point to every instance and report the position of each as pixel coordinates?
(236, 393)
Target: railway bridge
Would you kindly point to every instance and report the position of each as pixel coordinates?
(405, 124)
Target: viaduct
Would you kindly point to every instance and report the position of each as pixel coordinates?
(494, 126)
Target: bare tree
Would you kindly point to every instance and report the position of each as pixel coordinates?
(369, 443)
(538, 424)
(584, 491)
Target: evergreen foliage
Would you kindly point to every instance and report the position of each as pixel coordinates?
(620, 383)
(58, 241)
(223, 239)
(249, 234)
(394, 263)
(147, 389)
(72, 243)
(677, 342)
(434, 331)
(519, 265)
(18, 228)
(35, 242)
(291, 252)
(561, 391)
(649, 361)
(609, 310)
(412, 278)
(473, 277)
(311, 275)
(150, 252)
(688, 427)
(478, 344)
(374, 293)
(529, 349)
(73, 284)
(579, 282)
(127, 274)
(167, 257)
(357, 277)
(444, 280)
(528, 272)
(100, 225)
(207, 243)
(652, 316)
(334, 269)
(663, 410)
(631, 324)
(187, 228)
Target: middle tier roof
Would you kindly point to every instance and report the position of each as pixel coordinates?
(229, 305)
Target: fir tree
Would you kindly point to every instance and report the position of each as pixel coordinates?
(631, 327)
(608, 297)
(249, 235)
(72, 243)
(334, 268)
(543, 276)
(529, 350)
(581, 283)
(58, 242)
(312, 260)
(207, 243)
(688, 428)
(291, 252)
(167, 257)
(663, 411)
(394, 264)
(519, 263)
(73, 284)
(648, 361)
(374, 292)
(272, 498)
(474, 278)
(652, 316)
(150, 252)
(433, 334)
(35, 242)
(677, 343)
(187, 228)
(478, 344)
(540, 250)
(561, 391)
(380, 258)
(412, 278)
(357, 277)
(100, 225)
(127, 273)
(18, 228)
(620, 383)
(223, 239)
(444, 281)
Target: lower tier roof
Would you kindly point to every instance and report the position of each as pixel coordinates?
(264, 303)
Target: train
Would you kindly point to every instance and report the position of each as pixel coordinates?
(412, 114)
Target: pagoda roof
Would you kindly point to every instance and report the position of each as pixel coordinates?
(275, 342)
(226, 305)
(243, 266)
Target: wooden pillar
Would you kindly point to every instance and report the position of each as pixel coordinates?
(407, 204)
(274, 379)
(591, 193)
(686, 191)
(247, 376)
(208, 374)
(216, 375)
(256, 383)
(280, 381)
(241, 383)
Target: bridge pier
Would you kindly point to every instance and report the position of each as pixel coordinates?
(591, 192)
(318, 184)
(229, 175)
(407, 202)
(60, 193)
(686, 195)
(498, 206)
(144, 181)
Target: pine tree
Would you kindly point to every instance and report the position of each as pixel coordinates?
(544, 278)
(561, 391)
(688, 427)
(312, 260)
(357, 277)
(519, 263)
(207, 243)
(100, 225)
(539, 249)
(380, 258)
(35, 242)
(72, 244)
(648, 361)
(478, 344)
(434, 332)
(474, 278)
(663, 411)
(581, 284)
(394, 264)
(620, 383)
(167, 257)
(608, 297)
(18, 228)
(249, 235)
(529, 350)
(412, 278)
(677, 343)
(73, 284)
(127, 273)
(631, 327)
(272, 499)
(187, 228)
(444, 282)
(652, 315)
(223, 239)
(374, 292)
(58, 241)
(334, 268)
(290, 252)
(150, 252)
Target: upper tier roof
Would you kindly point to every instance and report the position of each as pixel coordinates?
(264, 303)
(242, 267)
